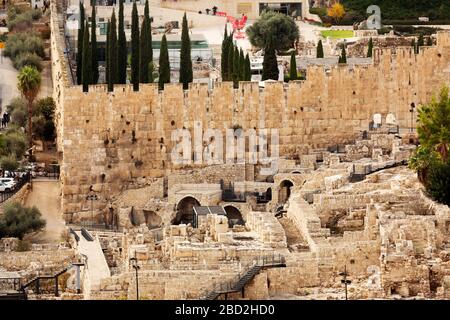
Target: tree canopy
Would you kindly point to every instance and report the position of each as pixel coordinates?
(17, 221)
(276, 27)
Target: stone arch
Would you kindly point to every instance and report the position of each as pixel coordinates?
(152, 219)
(234, 215)
(185, 210)
(284, 190)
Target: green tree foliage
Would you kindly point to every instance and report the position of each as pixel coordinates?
(23, 42)
(164, 64)
(273, 27)
(17, 221)
(402, 9)
(186, 74)
(270, 64)
(248, 70)
(319, 53)
(370, 48)
(29, 83)
(28, 59)
(241, 65)
(293, 67)
(343, 56)
(94, 51)
(431, 158)
(43, 114)
(80, 43)
(420, 41)
(236, 67)
(9, 163)
(429, 41)
(230, 60)
(122, 53)
(146, 54)
(13, 144)
(415, 46)
(86, 74)
(135, 47)
(107, 53)
(224, 56)
(112, 54)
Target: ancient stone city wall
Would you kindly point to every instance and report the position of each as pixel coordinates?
(109, 139)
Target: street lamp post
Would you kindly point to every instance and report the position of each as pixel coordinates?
(134, 264)
(344, 280)
(413, 106)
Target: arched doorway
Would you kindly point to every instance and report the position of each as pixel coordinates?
(285, 191)
(234, 216)
(185, 211)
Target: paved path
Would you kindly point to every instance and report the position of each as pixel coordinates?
(46, 196)
(8, 82)
(97, 266)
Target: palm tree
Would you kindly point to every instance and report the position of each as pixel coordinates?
(28, 83)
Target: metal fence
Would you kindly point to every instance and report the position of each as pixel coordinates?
(20, 183)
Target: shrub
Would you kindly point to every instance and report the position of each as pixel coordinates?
(45, 107)
(23, 246)
(24, 42)
(16, 103)
(438, 182)
(36, 14)
(27, 59)
(18, 221)
(9, 163)
(21, 22)
(19, 117)
(14, 143)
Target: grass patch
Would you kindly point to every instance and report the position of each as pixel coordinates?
(337, 34)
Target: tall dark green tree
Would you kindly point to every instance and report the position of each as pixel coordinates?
(270, 64)
(236, 67)
(80, 43)
(112, 74)
(343, 56)
(429, 41)
(146, 54)
(319, 53)
(94, 52)
(135, 47)
(241, 65)
(122, 52)
(293, 67)
(186, 74)
(421, 41)
(224, 56)
(164, 64)
(370, 48)
(414, 45)
(86, 74)
(108, 46)
(248, 70)
(230, 60)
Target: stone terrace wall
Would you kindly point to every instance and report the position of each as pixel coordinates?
(54, 259)
(113, 138)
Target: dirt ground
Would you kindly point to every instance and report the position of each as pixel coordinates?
(46, 197)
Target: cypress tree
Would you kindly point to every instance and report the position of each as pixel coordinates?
(230, 60)
(112, 53)
(343, 56)
(270, 64)
(94, 52)
(241, 65)
(121, 48)
(186, 74)
(420, 41)
(429, 41)
(370, 48)
(135, 47)
(86, 74)
(248, 70)
(146, 54)
(80, 44)
(293, 68)
(108, 45)
(319, 50)
(224, 56)
(236, 67)
(164, 64)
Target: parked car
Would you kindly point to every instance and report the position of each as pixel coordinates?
(10, 182)
(4, 187)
